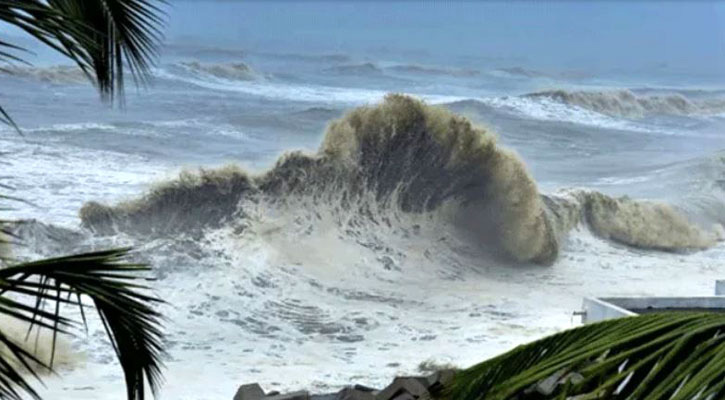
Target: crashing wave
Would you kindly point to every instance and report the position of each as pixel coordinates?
(58, 75)
(625, 103)
(309, 57)
(356, 69)
(522, 72)
(404, 158)
(426, 70)
(236, 71)
(640, 224)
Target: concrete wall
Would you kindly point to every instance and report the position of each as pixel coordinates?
(599, 309)
(719, 288)
(662, 303)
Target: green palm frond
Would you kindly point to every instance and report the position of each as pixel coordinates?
(7, 236)
(673, 356)
(114, 288)
(41, 22)
(7, 120)
(103, 37)
(114, 34)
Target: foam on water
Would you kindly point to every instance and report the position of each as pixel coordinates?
(364, 259)
(399, 158)
(409, 236)
(59, 74)
(625, 103)
(292, 92)
(229, 71)
(58, 177)
(549, 110)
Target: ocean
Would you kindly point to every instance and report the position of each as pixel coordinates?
(341, 192)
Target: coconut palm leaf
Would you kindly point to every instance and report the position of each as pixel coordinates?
(114, 34)
(42, 22)
(673, 356)
(103, 37)
(116, 290)
(7, 120)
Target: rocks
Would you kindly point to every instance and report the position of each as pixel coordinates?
(254, 392)
(416, 388)
(354, 394)
(301, 395)
(440, 378)
(547, 386)
(402, 388)
(249, 392)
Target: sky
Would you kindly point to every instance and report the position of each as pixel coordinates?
(688, 36)
(683, 37)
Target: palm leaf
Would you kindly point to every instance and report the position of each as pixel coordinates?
(673, 356)
(103, 37)
(43, 23)
(114, 288)
(7, 236)
(114, 34)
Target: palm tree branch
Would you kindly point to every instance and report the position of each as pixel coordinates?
(116, 33)
(131, 323)
(102, 37)
(669, 355)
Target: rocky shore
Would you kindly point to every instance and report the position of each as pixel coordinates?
(401, 388)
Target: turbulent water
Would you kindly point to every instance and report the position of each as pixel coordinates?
(325, 215)
(398, 159)
(625, 103)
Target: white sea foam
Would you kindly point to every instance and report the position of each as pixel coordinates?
(627, 104)
(295, 298)
(549, 110)
(295, 92)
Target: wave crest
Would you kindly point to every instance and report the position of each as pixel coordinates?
(367, 68)
(236, 71)
(625, 103)
(428, 70)
(403, 158)
(640, 224)
(58, 75)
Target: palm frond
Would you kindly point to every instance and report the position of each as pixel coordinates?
(112, 285)
(7, 236)
(673, 356)
(103, 37)
(43, 23)
(7, 120)
(114, 34)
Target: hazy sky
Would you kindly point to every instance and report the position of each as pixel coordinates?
(620, 34)
(684, 36)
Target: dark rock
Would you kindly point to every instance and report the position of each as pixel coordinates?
(354, 394)
(442, 377)
(328, 396)
(416, 387)
(438, 380)
(249, 392)
(301, 395)
(363, 388)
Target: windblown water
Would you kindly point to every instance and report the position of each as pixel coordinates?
(328, 198)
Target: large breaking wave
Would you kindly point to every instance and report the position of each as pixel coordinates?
(59, 74)
(230, 71)
(71, 75)
(405, 166)
(625, 103)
